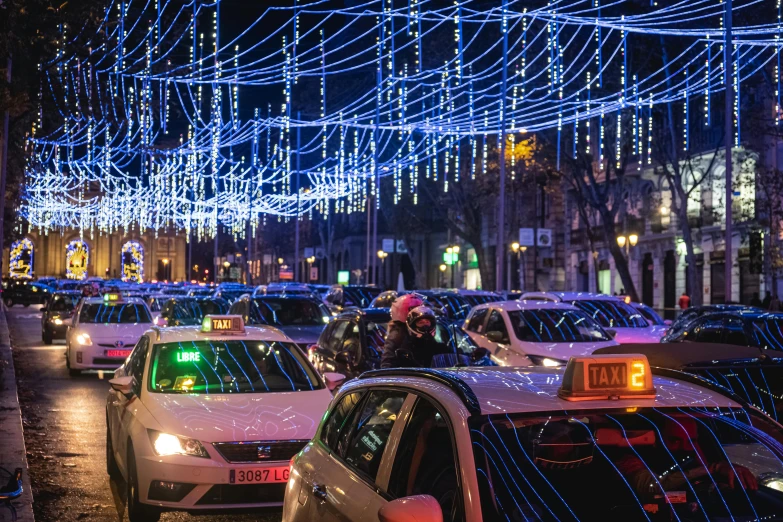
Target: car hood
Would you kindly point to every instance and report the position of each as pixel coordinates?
(651, 334)
(240, 417)
(303, 334)
(563, 351)
(100, 332)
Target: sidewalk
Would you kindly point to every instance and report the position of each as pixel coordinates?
(12, 448)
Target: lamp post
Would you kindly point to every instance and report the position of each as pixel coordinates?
(382, 256)
(442, 269)
(310, 261)
(453, 256)
(518, 250)
(165, 262)
(626, 243)
(280, 262)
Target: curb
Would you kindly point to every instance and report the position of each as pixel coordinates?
(12, 447)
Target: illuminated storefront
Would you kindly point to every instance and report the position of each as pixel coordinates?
(133, 262)
(21, 264)
(77, 259)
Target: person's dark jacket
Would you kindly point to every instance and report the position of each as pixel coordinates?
(422, 349)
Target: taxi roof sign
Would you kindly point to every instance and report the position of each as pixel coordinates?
(112, 296)
(222, 324)
(614, 377)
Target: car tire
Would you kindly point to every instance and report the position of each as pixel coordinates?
(137, 512)
(9, 302)
(111, 463)
(46, 335)
(71, 371)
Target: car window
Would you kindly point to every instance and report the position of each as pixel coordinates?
(370, 431)
(114, 313)
(735, 332)
(708, 330)
(281, 311)
(136, 363)
(768, 332)
(612, 313)
(376, 337)
(497, 324)
(337, 418)
(63, 303)
(351, 341)
(424, 462)
(335, 342)
(476, 322)
(555, 325)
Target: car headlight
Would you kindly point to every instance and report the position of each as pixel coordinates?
(546, 361)
(57, 321)
(166, 444)
(84, 339)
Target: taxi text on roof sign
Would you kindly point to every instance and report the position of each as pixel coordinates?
(111, 296)
(597, 377)
(222, 323)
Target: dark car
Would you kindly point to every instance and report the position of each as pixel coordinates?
(25, 293)
(689, 314)
(341, 297)
(448, 303)
(299, 317)
(745, 328)
(353, 342)
(231, 294)
(56, 314)
(189, 311)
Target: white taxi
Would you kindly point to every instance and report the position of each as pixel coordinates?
(204, 418)
(534, 333)
(601, 439)
(103, 331)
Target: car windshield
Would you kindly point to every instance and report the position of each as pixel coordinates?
(361, 297)
(283, 311)
(768, 332)
(230, 366)
(629, 464)
(64, 303)
(114, 313)
(649, 314)
(612, 313)
(196, 309)
(453, 306)
(553, 325)
(477, 299)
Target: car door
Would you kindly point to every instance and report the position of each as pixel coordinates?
(500, 350)
(344, 485)
(334, 344)
(475, 327)
(425, 461)
(120, 418)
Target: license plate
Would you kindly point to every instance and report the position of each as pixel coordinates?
(117, 353)
(607, 375)
(258, 475)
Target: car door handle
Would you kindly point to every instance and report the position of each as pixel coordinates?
(319, 492)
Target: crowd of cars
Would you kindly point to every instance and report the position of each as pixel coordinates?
(232, 397)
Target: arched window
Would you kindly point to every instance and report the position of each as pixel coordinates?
(21, 264)
(77, 258)
(132, 262)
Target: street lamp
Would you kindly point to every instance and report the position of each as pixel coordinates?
(627, 242)
(310, 261)
(453, 258)
(665, 210)
(517, 249)
(382, 256)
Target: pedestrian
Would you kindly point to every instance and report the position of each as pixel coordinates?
(685, 301)
(767, 300)
(774, 304)
(755, 301)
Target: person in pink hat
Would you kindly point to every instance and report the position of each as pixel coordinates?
(397, 331)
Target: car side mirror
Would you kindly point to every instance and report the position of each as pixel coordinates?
(344, 357)
(417, 508)
(44, 309)
(496, 337)
(667, 322)
(333, 380)
(124, 385)
(612, 332)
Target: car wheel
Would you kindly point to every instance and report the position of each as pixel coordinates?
(9, 302)
(111, 463)
(137, 512)
(71, 371)
(47, 336)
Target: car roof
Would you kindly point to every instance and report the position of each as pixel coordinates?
(569, 296)
(66, 292)
(175, 334)
(504, 389)
(510, 306)
(746, 314)
(370, 314)
(125, 300)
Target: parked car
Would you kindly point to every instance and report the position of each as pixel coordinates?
(56, 313)
(301, 318)
(231, 293)
(689, 314)
(651, 315)
(353, 342)
(610, 312)
(744, 328)
(535, 333)
(341, 297)
(190, 311)
(26, 293)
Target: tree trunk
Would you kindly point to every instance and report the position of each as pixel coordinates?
(486, 265)
(620, 261)
(690, 252)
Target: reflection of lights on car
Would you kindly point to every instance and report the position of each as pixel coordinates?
(57, 321)
(84, 339)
